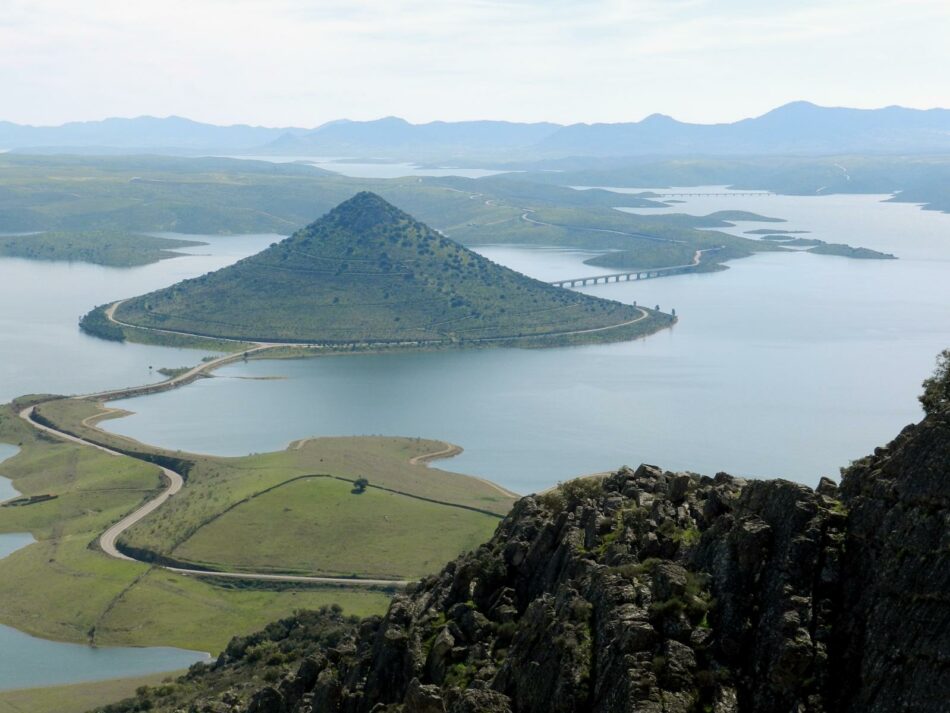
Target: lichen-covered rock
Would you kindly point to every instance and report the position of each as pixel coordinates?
(891, 636)
(649, 591)
(675, 593)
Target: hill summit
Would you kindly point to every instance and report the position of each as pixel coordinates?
(366, 272)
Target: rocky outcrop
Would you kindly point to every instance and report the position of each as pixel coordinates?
(671, 592)
(893, 620)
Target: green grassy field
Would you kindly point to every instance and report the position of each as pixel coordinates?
(63, 587)
(216, 483)
(375, 534)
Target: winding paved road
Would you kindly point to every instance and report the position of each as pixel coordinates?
(175, 482)
(108, 538)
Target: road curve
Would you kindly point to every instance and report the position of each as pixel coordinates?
(107, 540)
(449, 451)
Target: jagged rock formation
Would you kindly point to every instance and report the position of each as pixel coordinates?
(656, 591)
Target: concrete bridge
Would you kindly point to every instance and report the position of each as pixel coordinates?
(624, 276)
(631, 275)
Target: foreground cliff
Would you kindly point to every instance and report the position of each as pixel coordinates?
(651, 591)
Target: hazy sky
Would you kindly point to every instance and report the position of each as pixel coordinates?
(303, 62)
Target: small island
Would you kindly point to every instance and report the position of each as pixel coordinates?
(842, 250)
(820, 247)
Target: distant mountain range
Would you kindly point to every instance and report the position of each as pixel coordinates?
(796, 128)
(143, 132)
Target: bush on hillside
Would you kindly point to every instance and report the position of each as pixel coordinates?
(936, 396)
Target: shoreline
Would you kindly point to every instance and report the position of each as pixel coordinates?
(199, 340)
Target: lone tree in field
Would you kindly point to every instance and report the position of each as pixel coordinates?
(936, 396)
(360, 485)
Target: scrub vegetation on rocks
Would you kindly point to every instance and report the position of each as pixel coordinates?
(656, 591)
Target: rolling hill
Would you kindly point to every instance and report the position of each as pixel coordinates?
(367, 272)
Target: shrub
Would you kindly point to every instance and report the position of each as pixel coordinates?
(936, 395)
(570, 494)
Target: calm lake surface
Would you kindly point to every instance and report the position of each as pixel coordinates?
(42, 351)
(786, 365)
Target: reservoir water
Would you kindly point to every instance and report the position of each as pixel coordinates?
(785, 365)
(42, 350)
(788, 364)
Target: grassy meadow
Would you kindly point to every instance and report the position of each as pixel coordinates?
(376, 533)
(63, 587)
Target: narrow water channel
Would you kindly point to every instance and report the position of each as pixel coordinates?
(27, 661)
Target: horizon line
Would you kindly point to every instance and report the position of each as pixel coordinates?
(315, 127)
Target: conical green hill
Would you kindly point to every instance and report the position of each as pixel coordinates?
(367, 272)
